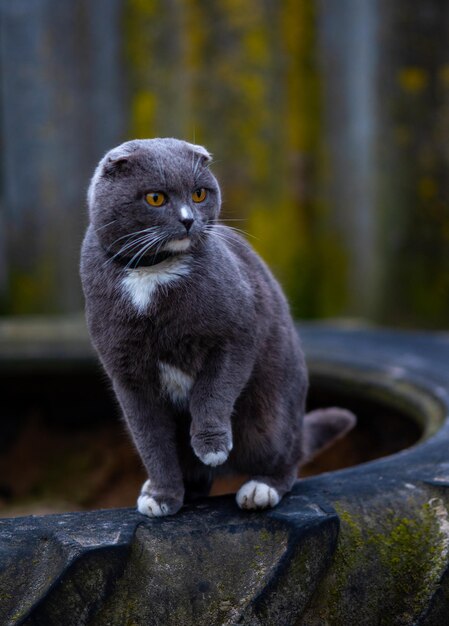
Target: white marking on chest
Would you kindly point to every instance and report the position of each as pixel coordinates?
(141, 284)
(175, 383)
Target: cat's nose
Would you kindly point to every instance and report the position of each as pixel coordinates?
(187, 222)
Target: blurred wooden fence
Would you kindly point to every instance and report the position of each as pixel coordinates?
(328, 120)
(62, 105)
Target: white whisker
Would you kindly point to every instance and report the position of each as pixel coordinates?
(147, 240)
(221, 236)
(197, 164)
(135, 242)
(141, 253)
(128, 247)
(136, 232)
(104, 226)
(237, 230)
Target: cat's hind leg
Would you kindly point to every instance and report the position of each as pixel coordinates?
(263, 492)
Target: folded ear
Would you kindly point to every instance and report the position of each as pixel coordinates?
(114, 166)
(200, 151)
(114, 163)
(117, 160)
(324, 427)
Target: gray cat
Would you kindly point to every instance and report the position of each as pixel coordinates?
(194, 333)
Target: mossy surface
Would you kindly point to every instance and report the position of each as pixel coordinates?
(390, 558)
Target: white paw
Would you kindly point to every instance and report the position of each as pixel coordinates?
(256, 495)
(147, 505)
(214, 458)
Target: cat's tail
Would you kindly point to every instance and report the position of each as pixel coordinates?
(324, 427)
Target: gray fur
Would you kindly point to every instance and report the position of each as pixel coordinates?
(220, 318)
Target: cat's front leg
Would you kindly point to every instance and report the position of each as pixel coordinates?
(211, 403)
(212, 440)
(155, 501)
(153, 431)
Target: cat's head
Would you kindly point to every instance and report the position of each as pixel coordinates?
(153, 195)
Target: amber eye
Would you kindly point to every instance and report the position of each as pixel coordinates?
(199, 195)
(155, 198)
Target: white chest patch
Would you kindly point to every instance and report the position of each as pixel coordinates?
(175, 383)
(141, 284)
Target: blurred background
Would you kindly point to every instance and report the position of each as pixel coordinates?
(329, 122)
(328, 119)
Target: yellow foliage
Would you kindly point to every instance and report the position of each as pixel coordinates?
(143, 111)
(427, 187)
(443, 75)
(413, 79)
(241, 78)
